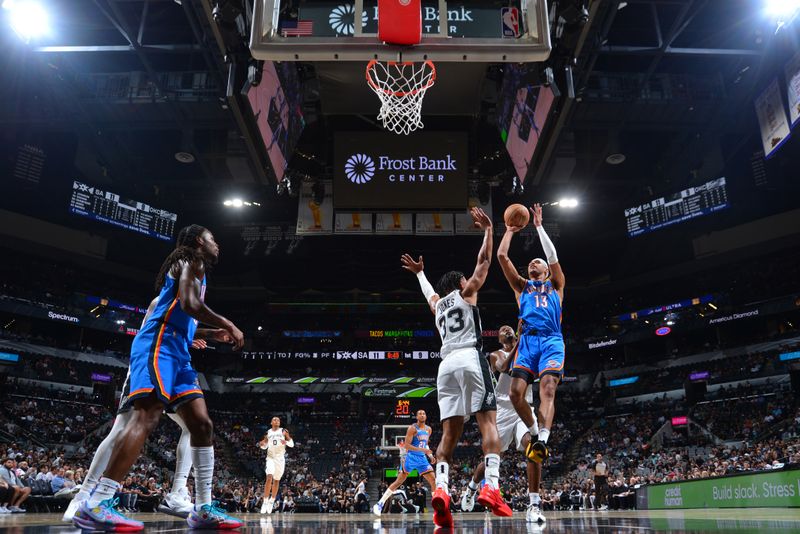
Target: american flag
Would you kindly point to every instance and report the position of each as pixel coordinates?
(296, 28)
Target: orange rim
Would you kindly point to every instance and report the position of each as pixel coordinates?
(371, 82)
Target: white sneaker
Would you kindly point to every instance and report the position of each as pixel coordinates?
(270, 504)
(264, 506)
(377, 508)
(177, 504)
(4, 510)
(73, 506)
(16, 510)
(468, 501)
(603, 508)
(534, 514)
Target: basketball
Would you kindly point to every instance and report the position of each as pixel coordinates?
(517, 215)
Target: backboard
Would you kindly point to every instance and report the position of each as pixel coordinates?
(488, 31)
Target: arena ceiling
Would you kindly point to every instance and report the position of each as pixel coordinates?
(667, 83)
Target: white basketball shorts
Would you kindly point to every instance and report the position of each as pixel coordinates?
(275, 467)
(464, 384)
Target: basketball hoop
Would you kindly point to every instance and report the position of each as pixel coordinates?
(401, 86)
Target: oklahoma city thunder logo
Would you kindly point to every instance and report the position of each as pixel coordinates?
(359, 168)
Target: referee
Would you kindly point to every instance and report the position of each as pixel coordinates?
(600, 470)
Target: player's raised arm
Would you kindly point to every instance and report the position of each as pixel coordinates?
(193, 305)
(499, 361)
(478, 277)
(556, 273)
(516, 282)
(417, 267)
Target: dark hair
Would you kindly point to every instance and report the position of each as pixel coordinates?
(186, 249)
(449, 282)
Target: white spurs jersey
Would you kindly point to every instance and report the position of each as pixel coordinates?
(503, 388)
(275, 446)
(459, 324)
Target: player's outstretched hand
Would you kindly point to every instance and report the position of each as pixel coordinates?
(410, 265)
(199, 344)
(237, 338)
(218, 334)
(536, 211)
(480, 218)
(514, 229)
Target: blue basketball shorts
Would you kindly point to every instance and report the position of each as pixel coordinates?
(538, 355)
(161, 364)
(418, 462)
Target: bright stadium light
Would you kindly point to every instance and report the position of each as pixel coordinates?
(568, 203)
(782, 8)
(28, 18)
(237, 203)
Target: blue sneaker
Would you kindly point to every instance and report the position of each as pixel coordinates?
(104, 517)
(211, 516)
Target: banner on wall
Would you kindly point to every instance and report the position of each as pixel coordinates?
(793, 88)
(434, 224)
(313, 218)
(772, 118)
(777, 489)
(394, 223)
(463, 221)
(353, 223)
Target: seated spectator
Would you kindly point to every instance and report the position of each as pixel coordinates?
(8, 475)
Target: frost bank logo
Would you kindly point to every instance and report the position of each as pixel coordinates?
(342, 19)
(359, 168)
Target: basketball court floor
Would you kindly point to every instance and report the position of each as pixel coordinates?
(687, 521)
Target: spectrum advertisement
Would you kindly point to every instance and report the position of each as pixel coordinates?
(422, 171)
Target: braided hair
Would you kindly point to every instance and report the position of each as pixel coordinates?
(186, 249)
(449, 282)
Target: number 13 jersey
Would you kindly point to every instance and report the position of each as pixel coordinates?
(459, 324)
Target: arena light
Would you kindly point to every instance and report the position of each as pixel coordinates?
(782, 9)
(567, 203)
(239, 203)
(28, 19)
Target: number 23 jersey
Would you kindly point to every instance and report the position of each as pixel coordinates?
(459, 324)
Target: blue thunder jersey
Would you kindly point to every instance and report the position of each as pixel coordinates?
(168, 312)
(420, 440)
(540, 308)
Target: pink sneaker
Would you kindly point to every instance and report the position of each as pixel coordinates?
(104, 517)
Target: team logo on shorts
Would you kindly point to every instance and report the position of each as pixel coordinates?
(553, 363)
(359, 168)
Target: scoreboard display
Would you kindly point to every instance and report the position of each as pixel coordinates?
(110, 208)
(693, 202)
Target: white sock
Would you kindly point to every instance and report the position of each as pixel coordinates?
(183, 462)
(534, 498)
(472, 486)
(443, 476)
(203, 460)
(102, 455)
(105, 489)
(492, 462)
(385, 496)
(544, 433)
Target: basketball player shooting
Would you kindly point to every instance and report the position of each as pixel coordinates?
(416, 457)
(510, 428)
(540, 351)
(463, 382)
(275, 442)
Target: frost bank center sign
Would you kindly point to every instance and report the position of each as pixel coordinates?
(416, 172)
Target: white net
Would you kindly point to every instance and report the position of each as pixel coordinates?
(401, 88)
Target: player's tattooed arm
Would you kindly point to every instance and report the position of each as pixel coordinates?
(516, 282)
